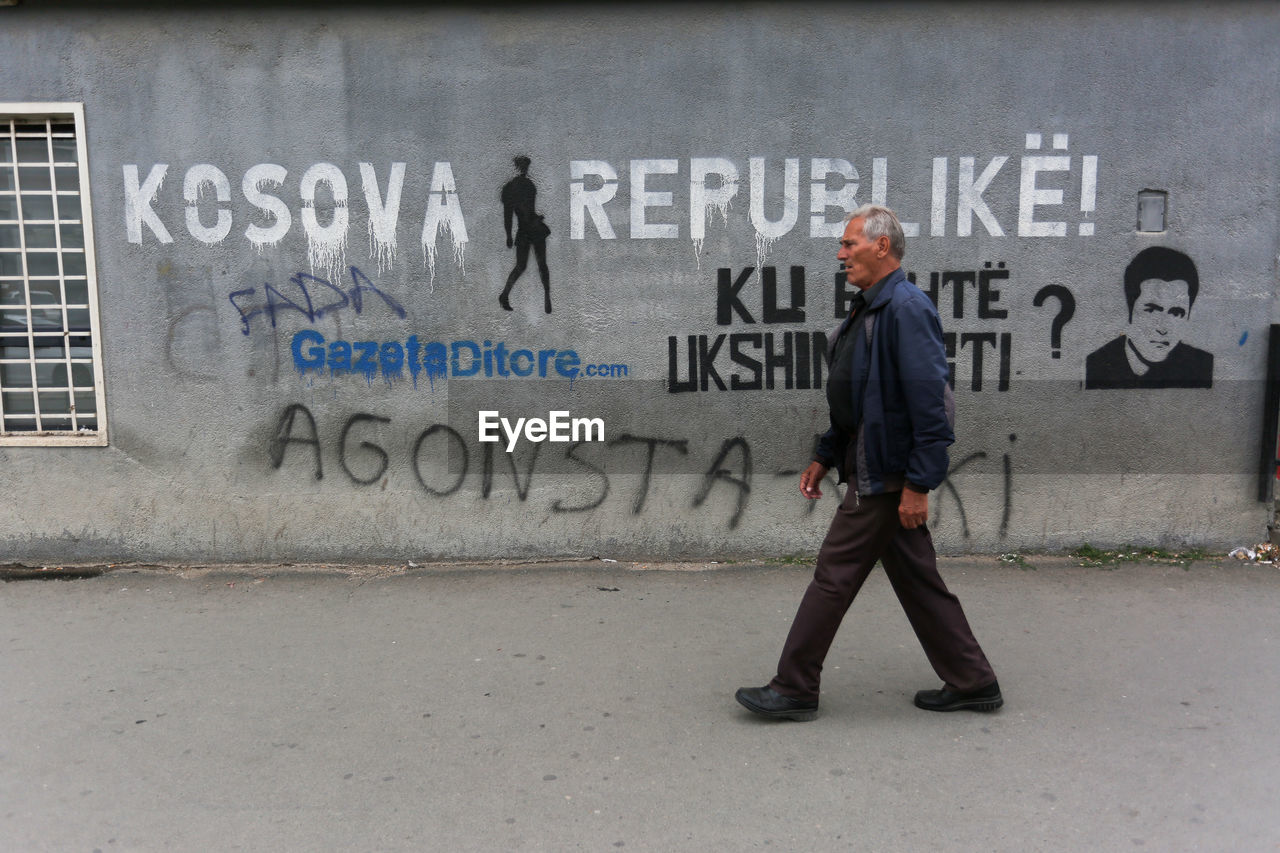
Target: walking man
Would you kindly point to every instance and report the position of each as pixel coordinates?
(891, 423)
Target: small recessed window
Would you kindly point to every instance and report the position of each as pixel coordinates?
(51, 386)
(1153, 210)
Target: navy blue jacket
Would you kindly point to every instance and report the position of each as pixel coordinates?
(901, 396)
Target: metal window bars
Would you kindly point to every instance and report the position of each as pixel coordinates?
(51, 378)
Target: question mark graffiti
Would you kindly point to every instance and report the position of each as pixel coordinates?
(1066, 310)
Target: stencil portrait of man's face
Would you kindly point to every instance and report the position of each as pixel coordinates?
(1159, 318)
(1160, 289)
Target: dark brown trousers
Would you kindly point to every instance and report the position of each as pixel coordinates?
(865, 529)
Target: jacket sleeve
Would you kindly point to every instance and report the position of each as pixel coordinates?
(923, 376)
(830, 447)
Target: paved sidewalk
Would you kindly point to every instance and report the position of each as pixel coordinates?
(590, 707)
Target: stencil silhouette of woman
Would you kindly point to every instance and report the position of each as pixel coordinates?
(518, 198)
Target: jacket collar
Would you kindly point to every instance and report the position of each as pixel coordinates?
(882, 292)
(884, 289)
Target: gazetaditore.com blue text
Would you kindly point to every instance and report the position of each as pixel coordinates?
(459, 359)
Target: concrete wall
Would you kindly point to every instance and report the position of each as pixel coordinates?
(270, 180)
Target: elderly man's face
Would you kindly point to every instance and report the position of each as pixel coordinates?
(862, 258)
(1160, 317)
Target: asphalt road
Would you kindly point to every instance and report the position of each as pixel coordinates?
(590, 707)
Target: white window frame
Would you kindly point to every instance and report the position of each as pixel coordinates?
(63, 112)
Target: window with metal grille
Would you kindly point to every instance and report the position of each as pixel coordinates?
(51, 388)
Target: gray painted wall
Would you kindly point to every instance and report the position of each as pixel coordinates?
(937, 108)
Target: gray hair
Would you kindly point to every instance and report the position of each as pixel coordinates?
(877, 222)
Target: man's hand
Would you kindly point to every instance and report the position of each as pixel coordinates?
(510, 242)
(811, 480)
(913, 509)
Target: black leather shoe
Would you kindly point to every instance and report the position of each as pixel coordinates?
(984, 699)
(768, 702)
